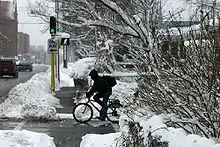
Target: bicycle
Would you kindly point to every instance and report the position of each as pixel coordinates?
(83, 112)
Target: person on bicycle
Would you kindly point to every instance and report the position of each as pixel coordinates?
(102, 90)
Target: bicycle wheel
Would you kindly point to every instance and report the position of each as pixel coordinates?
(113, 112)
(82, 112)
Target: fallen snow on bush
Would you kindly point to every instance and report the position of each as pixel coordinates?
(24, 138)
(82, 67)
(31, 100)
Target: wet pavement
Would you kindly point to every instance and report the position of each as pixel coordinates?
(67, 133)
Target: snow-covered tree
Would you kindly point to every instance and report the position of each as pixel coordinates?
(182, 78)
(187, 86)
(103, 14)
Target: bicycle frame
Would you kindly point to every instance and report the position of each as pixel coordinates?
(90, 103)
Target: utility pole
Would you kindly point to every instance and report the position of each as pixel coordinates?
(58, 55)
(52, 56)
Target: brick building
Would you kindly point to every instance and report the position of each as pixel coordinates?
(23, 46)
(8, 27)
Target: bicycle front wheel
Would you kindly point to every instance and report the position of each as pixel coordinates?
(82, 112)
(113, 112)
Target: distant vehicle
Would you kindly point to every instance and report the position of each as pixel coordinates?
(25, 65)
(8, 67)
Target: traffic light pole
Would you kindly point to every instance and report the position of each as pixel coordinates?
(58, 54)
(52, 62)
(52, 56)
(52, 68)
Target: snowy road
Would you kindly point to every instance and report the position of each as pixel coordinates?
(66, 133)
(7, 83)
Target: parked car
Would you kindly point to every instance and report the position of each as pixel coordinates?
(25, 65)
(8, 67)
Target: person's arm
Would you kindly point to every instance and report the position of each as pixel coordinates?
(91, 91)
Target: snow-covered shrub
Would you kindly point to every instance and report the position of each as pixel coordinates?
(82, 67)
(186, 85)
(134, 136)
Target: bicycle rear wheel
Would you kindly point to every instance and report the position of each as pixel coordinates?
(113, 112)
(82, 112)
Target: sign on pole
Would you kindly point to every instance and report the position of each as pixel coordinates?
(52, 46)
(65, 41)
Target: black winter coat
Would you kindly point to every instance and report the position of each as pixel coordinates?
(100, 86)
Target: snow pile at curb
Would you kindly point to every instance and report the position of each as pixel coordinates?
(31, 100)
(24, 138)
(96, 140)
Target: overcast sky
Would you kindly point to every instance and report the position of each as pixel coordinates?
(34, 30)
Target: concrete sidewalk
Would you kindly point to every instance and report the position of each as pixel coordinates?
(67, 97)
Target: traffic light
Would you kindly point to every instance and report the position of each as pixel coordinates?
(52, 25)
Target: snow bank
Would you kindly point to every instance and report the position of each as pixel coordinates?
(96, 140)
(81, 68)
(31, 100)
(24, 138)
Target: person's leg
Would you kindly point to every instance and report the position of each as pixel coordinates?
(103, 112)
(97, 97)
